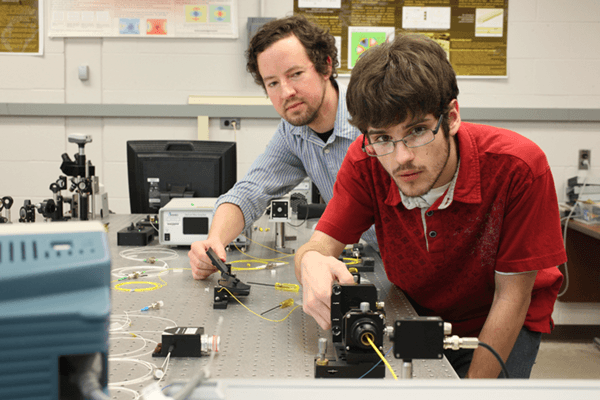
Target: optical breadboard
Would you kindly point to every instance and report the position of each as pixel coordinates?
(184, 221)
(54, 305)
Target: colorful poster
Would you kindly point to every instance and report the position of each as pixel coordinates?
(472, 32)
(20, 25)
(196, 14)
(220, 14)
(362, 38)
(129, 26)
(156, 27)
(158, 18)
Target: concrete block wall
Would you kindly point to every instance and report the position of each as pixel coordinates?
(553, 62)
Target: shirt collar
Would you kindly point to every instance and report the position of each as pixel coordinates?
(468, 184)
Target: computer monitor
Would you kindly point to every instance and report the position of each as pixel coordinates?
(159, 170)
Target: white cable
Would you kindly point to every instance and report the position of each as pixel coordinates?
(151, 223)
(173, 323)
(141, 379)
(137, 337)
(136, 394)
(132, 352)
(234, 124)
(121, 331)
(212, 352)
(166, 361)
(584, 183)
(119, 272)
(127, 322)
(163, 368)
(130, 253)
(574, 216)
(117, 318)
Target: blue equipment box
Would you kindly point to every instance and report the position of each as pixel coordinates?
(54, 306)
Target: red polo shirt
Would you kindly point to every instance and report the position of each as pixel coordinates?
(503, 217)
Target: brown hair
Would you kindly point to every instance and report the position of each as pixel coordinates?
(410, 77)
(319, 44)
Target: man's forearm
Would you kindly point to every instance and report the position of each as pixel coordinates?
(227, 224)
(321, 243)
(500, 331)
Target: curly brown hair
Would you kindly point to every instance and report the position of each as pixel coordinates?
(410, 77)
(319, 44)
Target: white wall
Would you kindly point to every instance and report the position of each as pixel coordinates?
(553, 62)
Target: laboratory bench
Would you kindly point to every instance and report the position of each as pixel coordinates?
(250, 346)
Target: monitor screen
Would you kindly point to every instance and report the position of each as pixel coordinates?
(160, 170)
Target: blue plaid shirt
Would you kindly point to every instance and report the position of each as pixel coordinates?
(294, 153)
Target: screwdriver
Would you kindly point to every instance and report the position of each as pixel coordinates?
(284, 304)
(288, 287)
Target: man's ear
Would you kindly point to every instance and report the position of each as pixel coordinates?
(454, 117)
(329, 68)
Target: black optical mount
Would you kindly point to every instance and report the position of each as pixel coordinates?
(228, 284)
(356, 318)
(27, 212)
(82, 173)
(5, 204)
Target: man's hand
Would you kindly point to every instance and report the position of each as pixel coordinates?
(201, 265)
(227, 223)
(318, 274)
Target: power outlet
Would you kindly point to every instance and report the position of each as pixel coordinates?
(228, 123)
(585, 155)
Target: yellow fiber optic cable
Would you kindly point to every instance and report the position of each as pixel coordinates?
(353, 261)
(288, 287)
(387, 364)
(264, 265)
(154, 285)
(258, 315)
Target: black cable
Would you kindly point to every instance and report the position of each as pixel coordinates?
(502, 365)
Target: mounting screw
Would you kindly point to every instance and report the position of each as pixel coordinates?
(584, 159)
(228, 123)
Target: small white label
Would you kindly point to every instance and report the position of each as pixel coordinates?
(191, 331)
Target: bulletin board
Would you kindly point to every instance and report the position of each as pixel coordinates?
(144, 19)
(473, 32)
(20, 25)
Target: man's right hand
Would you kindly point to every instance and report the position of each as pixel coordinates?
(201, 265)
(318, 274)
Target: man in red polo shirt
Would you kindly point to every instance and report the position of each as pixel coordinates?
(466, 215)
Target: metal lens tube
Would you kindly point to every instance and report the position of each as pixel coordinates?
(210, 343)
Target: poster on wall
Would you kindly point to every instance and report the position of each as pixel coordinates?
(145, 19)
(20, 25)
(472, 32)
